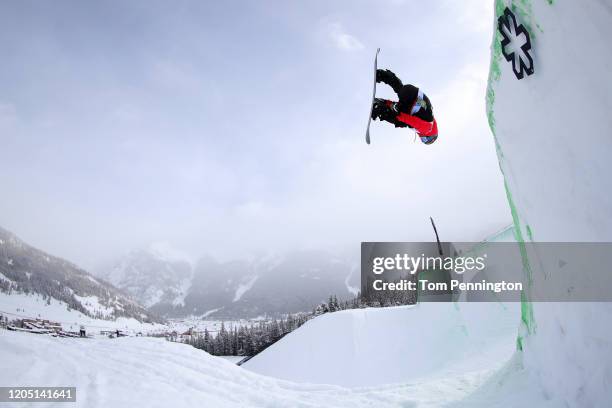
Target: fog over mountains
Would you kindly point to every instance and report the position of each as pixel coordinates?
(173, 285)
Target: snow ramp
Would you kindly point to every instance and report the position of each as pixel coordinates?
(373, 346)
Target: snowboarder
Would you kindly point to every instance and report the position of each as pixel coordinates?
(413, 109)
(82, 331)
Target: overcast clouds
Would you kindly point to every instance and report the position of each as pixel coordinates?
(238, 126)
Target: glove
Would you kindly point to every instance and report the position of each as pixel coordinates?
(379, 108)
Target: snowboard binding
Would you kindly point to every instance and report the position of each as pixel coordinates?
(383, 109)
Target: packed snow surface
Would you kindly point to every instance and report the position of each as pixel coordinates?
(148, 372)
(376, 346)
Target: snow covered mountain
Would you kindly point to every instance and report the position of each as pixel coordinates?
(270, 285)
(291, 283)
(156, 275)
(27, 270)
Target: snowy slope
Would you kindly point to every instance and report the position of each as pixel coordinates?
(391, 345)
(21, 305)
(147, 372)
(25, 269)
(553, 134)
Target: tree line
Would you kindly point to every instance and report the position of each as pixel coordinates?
(249, 340)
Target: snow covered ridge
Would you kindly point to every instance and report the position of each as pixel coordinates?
(27, 270)
(552, 132)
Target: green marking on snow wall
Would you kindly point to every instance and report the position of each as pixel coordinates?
(519, 343)
(529, 233)
(494, 74)
(527, 317)
(523, 10)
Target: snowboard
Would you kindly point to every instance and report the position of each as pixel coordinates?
(373, 97)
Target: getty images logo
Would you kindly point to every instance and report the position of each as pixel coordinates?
(412, 264)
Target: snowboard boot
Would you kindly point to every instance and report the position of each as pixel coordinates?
(387, 111)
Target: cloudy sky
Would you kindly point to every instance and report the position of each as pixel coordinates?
(238, 126)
